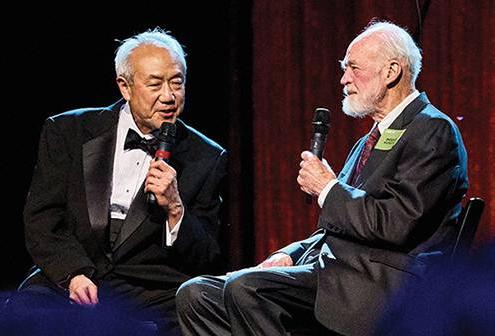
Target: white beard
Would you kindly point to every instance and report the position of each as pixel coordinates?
(357, 107)
(354, 108)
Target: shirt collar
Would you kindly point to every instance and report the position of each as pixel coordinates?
(392, 115)
(126, 121)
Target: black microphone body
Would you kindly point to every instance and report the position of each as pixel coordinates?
(318, 142)
(166, 142)
(321, 124)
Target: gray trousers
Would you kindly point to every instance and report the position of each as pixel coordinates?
(253, 301)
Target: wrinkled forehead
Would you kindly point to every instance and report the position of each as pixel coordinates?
(364, 49)
(148, 54)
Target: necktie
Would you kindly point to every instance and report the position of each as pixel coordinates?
(134, 141)
(373, 137)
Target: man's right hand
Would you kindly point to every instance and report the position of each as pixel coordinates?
(314, 174)
(83, 291)
(277, 259)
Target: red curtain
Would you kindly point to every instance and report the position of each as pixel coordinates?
(296, 48)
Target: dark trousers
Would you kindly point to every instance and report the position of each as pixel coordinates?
(123, 309)
(273, 301)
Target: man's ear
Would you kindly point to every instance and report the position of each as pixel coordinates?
(124, 87)
(394, 72)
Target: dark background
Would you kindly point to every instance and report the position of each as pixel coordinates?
(257, 69)
(60, 57)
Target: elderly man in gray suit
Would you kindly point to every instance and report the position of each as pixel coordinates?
(394, 205)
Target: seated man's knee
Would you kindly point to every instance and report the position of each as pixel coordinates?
(242, 285)
(190, 294)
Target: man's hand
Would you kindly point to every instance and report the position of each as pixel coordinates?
(83, 291)
(314, 174)
(162, 181)
(277, 259)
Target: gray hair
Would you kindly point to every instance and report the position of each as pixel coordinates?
(398, 44)
(157, 37)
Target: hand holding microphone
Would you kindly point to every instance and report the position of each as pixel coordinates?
(321, 124)
(166, 141)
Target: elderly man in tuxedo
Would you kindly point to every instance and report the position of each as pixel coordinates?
(93, 235)
(393, 206)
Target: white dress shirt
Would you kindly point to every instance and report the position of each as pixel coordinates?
(129, 171)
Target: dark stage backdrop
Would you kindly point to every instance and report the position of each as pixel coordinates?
(60, 57)
(296, 46)
(257, 70)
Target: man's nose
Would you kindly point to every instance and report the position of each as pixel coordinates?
(167, 95)
(346, 78)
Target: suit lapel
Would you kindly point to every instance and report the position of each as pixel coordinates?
(137, 214)
(97, 161)
(346, 172)
(98, 165)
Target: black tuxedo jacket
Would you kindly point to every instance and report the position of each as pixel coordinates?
(67, 209)
(403, 210)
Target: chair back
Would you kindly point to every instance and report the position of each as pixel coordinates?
(468, 223)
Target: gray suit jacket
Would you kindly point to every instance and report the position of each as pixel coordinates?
(382, 232)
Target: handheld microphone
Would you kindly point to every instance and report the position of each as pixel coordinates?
(166, 142)
(321, 124)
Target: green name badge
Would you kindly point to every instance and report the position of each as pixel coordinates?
(388, 139)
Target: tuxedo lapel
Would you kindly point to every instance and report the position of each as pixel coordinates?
(137, 214)
(98, 165)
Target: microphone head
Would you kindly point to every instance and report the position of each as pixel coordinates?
(167, 132)
(321, 120)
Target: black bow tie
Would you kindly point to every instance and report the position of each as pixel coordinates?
(134, 141)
